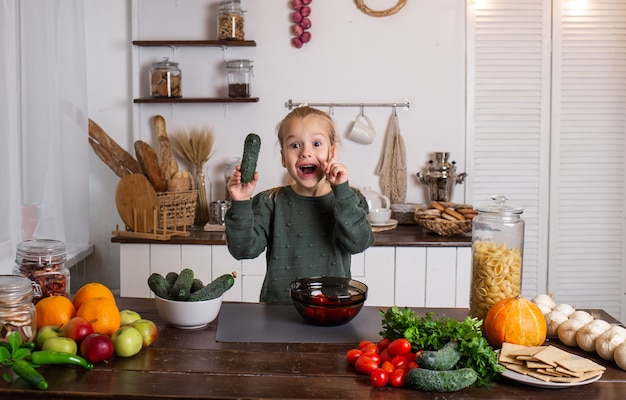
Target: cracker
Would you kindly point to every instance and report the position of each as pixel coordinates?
(551, 354)
(580, 365)
(573, 379)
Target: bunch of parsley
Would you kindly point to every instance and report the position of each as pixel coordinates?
(426, 333)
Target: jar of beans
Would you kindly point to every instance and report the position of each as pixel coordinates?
(239, 77)
(17, 311)
(165, 79)
(43, 262)
(230, 20)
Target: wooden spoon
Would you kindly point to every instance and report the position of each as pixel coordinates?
(137, 203)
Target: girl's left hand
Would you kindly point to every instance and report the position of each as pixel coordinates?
(336, 172)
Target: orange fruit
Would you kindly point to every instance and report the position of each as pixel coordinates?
(54, 310)
(89, 291)
(102, 313)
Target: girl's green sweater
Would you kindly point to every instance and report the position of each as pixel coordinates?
(303, 236)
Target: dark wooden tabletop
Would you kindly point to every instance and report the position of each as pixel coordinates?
(191, 364)
(402, 235)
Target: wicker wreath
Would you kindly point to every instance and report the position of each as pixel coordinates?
(384, 13)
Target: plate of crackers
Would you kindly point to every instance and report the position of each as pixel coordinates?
(547, 366)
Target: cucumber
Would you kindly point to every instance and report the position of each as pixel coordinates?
(429, 380)
(182, 287)
(215, 289)
(251, 148)
(442, 359)
(196, 285)
(171, 277)
(159, 286)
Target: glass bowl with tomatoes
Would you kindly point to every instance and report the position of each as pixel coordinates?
(327, 300)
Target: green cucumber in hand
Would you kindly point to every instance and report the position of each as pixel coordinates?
(251, 148)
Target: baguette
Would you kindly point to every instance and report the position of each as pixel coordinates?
(120, 161)
(165, 148)
(149, 162)
(112, 162)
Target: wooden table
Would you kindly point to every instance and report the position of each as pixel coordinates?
(192, 365)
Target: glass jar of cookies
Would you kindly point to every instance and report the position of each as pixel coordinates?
(230, 20)
(497, 249)
(165, 79)
(43, 262)
(17, 311)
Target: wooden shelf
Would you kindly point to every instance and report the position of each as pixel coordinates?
(197, 100)
(194, 43)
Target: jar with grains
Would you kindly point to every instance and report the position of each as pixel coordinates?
(17, 311)
(43, 262)
(230, 20)
(497, 249)
(165, 79)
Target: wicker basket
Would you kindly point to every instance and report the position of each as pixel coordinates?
(179, 208)
(445, 227)
(442, 226)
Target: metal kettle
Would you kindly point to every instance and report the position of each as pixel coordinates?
(441, 177)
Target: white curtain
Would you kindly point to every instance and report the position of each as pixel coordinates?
(43, 121)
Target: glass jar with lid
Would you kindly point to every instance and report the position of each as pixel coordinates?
(230, 20)
(239, 77)
(497, 249)
(43, 262)
(17, 311)
(165, 79)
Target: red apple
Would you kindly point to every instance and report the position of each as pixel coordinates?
(77, 328)
(148, 330)
(96, 347)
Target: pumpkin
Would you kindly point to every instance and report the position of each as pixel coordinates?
(515, 320)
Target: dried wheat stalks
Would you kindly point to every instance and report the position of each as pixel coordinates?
(194, 145)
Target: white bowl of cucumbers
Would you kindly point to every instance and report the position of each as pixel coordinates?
(184, 301)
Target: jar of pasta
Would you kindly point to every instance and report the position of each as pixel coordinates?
(230, 20)
(43, 262)
(497, 248)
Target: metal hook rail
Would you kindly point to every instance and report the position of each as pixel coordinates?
(405, 104)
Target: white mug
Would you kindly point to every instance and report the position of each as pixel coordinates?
(362, 130)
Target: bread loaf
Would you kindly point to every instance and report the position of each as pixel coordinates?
(113, 155)
(149, 163)
(165, 149)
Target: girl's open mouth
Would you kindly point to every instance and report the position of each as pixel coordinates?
(308, 169)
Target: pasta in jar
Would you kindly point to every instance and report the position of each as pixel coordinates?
(496, 275)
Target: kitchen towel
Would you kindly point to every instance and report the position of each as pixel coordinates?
(392, 165)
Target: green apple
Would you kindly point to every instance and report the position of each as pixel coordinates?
(127, 341)
(148, 330)
(60, 344)
(46, 333)
(127, 317)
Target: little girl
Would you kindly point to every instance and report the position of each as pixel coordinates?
(309, 228)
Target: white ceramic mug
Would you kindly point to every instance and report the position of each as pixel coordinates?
(362, 130)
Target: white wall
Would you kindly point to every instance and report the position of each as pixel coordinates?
(416, 55)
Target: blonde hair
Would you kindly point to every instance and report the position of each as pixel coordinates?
(304, 112)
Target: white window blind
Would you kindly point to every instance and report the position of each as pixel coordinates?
(587, 232)
(547, 126)
(508, 117)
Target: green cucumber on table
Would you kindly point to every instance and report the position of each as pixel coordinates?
(430, 380)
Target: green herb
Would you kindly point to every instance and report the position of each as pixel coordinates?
(14, 357)
(426, 333)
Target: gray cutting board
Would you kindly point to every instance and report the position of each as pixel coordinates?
(281, 323)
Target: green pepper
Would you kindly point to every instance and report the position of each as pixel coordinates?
(55, 357)
(24, 370)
